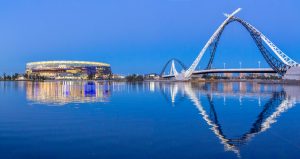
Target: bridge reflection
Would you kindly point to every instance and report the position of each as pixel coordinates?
(280, 100)
(64, 92)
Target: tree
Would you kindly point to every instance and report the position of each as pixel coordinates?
(4, 76)
(134, 78)
(15, 76)
(26, 76)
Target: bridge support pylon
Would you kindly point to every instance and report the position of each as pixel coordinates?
(292, 73)
(181, 77)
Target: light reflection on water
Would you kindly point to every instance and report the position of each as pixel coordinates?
(235, 113)
(281, 99)
(64, 92)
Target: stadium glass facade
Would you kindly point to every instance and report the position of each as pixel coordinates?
(69, 70)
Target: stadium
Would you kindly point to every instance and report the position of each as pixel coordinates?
(69, 70)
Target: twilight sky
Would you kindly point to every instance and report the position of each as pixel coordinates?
(139, 36)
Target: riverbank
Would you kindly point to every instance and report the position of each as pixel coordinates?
(261, 81)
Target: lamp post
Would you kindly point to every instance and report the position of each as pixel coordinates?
(240, 64)
(224, 65)
(258, 64)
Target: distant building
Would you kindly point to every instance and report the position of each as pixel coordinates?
(115, 76)
(229, 75)
(152, 76)
(20, 78)
(69, 69)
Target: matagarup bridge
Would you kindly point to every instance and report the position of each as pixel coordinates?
(278, 61)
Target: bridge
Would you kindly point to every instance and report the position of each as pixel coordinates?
(278, 61)
(234, 70)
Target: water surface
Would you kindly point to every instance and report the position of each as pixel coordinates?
(80, 119)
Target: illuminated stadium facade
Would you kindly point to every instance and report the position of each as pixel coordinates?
(69, 70)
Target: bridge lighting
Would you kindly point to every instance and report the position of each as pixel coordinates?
(283, 65)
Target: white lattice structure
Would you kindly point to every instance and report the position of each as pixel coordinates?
(293, 69)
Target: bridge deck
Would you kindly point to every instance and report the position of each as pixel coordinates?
(234, 70)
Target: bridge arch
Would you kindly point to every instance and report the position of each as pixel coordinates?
(280, 64)
(168, 62)
(276, 59)
(277, 65)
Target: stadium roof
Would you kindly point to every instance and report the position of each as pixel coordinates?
(67, 62)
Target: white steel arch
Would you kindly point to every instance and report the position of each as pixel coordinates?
(280, 54)
(192, 68)
(173, 70)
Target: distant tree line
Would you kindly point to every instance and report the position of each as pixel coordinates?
(129, 78)
(209, 77)
(134, 78)
(16, 76)
(271, 77)
(6, 77)
(34, 77)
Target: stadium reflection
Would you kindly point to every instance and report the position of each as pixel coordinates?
(278, 99)
(64, 92)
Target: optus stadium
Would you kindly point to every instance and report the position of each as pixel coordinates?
(69, 70)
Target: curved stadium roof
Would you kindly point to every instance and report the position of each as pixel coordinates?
(81, 63)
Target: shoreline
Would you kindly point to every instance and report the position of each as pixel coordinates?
(261, 81)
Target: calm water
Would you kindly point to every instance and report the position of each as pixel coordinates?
(72, 119)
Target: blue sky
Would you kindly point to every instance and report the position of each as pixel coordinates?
(137, 36)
